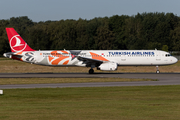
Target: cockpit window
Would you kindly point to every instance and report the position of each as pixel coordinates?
(167, 55)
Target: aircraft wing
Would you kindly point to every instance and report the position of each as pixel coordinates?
(89, 60)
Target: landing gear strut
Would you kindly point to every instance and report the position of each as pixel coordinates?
(157, 69)
(91, 71)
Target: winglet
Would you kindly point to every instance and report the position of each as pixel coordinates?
(16, 43)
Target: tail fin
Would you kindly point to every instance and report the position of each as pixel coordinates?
(16, 43)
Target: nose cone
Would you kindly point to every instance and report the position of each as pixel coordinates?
(174, 60)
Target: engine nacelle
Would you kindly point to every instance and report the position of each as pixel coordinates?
(108, 66)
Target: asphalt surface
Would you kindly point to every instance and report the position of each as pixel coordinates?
(163, 79)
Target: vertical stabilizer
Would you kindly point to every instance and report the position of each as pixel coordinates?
(16, 43)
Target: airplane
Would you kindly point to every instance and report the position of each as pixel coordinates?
(105, 60)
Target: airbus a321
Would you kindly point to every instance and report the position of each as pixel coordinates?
(107, 60)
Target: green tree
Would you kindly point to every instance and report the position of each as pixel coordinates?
(117, 25)
(165, 48)
(175, 37)
(104, 38)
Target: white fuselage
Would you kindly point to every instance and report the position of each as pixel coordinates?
(121, 57)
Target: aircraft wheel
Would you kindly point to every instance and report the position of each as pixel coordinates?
(91, 71)
(157, 71)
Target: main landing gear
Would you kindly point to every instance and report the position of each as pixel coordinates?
(157, 69)
(91, 71)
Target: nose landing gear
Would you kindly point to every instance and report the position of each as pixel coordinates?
(157, 69)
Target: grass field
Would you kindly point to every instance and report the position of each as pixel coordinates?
(11, 66)
(107, 103)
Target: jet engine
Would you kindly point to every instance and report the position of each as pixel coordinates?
(108, 66)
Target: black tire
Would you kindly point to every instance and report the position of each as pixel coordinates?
(157, 71)
(91, 71)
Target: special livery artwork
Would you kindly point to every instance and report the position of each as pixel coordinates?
(101, 59)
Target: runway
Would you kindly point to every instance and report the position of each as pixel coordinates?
(163, 79)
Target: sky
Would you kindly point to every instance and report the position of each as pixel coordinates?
(55, 10)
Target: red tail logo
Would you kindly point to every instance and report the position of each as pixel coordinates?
(16, 42)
